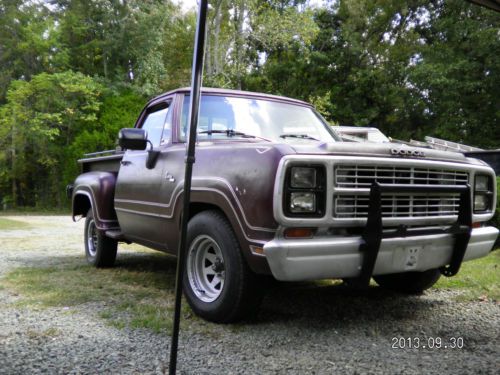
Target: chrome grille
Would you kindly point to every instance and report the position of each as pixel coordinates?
(352, 183)
(394, 206)
(362, 176)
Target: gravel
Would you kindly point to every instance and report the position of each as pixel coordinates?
(301, 328)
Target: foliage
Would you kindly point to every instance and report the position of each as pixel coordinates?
(457, 73)
(27, 34)
(39, 122)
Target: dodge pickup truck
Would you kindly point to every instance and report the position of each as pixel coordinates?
(276, 192)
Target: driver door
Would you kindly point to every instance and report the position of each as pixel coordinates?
(137, 196)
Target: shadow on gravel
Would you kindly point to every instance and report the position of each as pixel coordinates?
(334, 306)
(309, 302)
(312, 304)
(151, 262)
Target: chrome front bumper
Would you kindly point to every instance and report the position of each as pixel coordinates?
(339, 257)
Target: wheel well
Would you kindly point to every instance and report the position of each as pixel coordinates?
(196, 208)
(81, 205)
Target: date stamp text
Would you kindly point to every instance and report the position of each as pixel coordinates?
(427, 343)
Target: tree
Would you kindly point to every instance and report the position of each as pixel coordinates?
(122, 41)
(457, 73)
(38, 124)
(27, 41)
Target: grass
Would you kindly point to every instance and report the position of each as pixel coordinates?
(135, 295)
(478, 279)
(36, 211)
(47, 334)
(9, 224)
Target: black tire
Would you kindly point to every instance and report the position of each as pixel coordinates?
(409, 282)
(99, 249)
(218, 284)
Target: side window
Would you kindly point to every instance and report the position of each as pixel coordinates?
(154, 123)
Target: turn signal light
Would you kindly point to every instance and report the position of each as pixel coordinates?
(299, 233)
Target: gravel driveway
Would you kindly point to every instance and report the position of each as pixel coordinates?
(302, 328)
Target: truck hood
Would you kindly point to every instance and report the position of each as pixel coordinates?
(388, 150)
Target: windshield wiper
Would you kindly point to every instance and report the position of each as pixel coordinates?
(228, 132)
(231, 133)
(301, 136)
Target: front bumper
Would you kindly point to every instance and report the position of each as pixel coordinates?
(339, 257)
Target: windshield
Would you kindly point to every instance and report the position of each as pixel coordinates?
(226, 116)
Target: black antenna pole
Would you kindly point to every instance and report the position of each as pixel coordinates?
(197, 73)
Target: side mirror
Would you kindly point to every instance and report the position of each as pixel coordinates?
(133, 139)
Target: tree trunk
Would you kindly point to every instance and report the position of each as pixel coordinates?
(13, 162)
(216, 44)
(239, 13)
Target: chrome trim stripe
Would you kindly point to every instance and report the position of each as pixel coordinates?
(178, 191)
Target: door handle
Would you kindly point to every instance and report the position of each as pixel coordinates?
(125, 162)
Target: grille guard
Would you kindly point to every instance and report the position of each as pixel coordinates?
(374, 231)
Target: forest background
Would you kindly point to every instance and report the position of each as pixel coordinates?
(73, 72)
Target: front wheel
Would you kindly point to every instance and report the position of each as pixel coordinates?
(99, 249)
(218, 284)
(409, 282)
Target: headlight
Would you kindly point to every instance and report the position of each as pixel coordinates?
(302, 177)
(481, 183)
(302, 202)
(305, 191)
(483, 193)
(480, 202)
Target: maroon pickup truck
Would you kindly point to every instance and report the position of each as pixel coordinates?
(276, 192)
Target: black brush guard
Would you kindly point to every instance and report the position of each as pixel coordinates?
(374, 233)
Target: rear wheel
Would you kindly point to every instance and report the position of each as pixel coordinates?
(409, 282)
(218, 284)
(99, 249)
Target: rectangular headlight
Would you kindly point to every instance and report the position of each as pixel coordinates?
(481, 202)
(304, 191)
(303, 177)
(483, 192)
(482, 183)
(302, 202)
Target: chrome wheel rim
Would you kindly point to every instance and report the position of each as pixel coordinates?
(92, 238)
(206, 268)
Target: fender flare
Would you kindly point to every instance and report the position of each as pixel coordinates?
(96, 190)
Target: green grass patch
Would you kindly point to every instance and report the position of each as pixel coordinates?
(477, 280)
(47, 334)
(135, 295)
(36, 211)
(9, 224)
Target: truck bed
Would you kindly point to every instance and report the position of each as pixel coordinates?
(108, 161)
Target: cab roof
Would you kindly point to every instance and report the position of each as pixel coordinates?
(228, 92)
